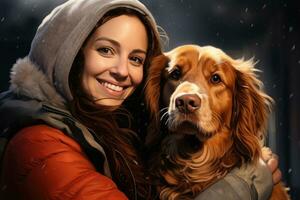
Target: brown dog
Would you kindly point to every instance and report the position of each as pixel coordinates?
(209, 115)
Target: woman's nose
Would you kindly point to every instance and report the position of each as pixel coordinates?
(120, 72)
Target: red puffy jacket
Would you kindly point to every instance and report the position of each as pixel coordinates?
(41, 162)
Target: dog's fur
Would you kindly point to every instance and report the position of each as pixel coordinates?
(209, 115)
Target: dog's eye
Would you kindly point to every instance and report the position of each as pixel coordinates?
(215, 79)
(175, 74)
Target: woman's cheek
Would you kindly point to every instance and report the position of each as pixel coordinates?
(137, 76)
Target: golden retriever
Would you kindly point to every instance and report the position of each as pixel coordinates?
(209, 115)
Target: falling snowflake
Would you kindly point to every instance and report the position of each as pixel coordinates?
(291, 95)
(290, 29)
(293, 47)
(2, 19)
(264, 6)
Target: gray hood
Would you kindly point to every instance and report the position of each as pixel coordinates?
(62, 33)
(39, 82)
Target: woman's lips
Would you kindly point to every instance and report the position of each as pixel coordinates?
(112, 88)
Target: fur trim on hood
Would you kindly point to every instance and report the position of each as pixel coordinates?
(27, 80)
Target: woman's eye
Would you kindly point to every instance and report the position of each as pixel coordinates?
(175, 74)
(215, 79)
(105, 51)
(137, 60)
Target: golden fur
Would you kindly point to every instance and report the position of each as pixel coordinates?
(201, 93)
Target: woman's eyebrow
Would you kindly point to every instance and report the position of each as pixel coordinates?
(109, 40)
(139, 51)
(116, 43)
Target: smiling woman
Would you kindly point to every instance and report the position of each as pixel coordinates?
(72, 130)
(114, 59)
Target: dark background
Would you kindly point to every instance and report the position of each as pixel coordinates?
(266, 30)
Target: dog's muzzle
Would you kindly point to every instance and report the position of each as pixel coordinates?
(187, 103)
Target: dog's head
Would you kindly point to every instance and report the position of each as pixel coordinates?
(203, 91)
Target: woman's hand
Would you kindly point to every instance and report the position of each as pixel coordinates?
(272, 163)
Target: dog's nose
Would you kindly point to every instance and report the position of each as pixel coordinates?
(187, 103)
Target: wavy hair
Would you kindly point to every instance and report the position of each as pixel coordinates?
(113, 126)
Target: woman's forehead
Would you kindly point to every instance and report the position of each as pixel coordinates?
(124, 29)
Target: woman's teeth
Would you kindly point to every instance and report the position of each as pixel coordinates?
(112, 87)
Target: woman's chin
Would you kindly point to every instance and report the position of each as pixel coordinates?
(110, 99)
(110, 102)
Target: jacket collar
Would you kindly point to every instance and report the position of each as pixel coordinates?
(31, 97)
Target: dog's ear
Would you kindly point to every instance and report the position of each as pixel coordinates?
(152, 96)
(153, 84)
(251, 107)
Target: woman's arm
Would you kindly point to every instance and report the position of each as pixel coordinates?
(248, 182)
(42, 163)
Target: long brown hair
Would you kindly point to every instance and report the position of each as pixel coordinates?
(112, 126)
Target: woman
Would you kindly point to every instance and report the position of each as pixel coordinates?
(68, 131)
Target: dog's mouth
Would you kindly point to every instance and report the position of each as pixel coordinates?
(190, 128)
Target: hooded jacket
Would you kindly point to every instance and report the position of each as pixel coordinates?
(45, 142)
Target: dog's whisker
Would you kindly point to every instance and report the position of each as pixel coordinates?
(167, 121)
(163, 109)
(164, 112)
(164, 115)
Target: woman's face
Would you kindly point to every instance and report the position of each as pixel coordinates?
(114, 56)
